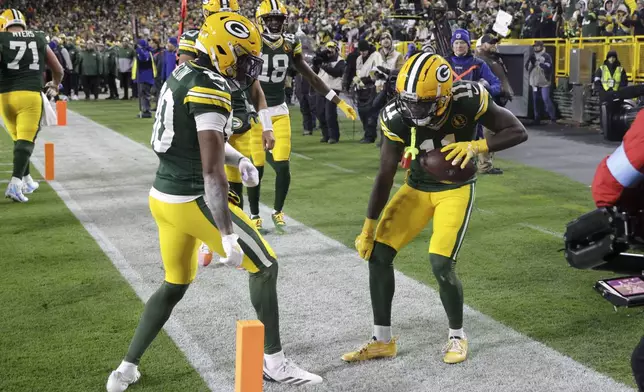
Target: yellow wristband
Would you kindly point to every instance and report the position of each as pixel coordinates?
(369, 225)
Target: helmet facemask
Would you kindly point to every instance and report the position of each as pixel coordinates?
(247, 68)
(426, 112)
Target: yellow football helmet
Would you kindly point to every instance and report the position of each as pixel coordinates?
(424, 89)
(233, 44)
(270, 16)
(213, 6)
(12, 17)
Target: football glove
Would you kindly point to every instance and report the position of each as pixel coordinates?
(249, 173)
(463, 152)
(51, 90)
(364, 242)
(234, 252)
(347, 110)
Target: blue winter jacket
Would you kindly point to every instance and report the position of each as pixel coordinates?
(475, 69)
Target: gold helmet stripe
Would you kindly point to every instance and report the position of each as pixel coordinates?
(415, 67)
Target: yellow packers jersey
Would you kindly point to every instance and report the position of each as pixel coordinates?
(469, 102)
(190, 91)
(278, 56)
(187, 43)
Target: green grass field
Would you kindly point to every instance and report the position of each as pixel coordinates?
(510, 270)
(68, 315)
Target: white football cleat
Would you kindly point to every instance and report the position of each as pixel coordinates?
(289, 373)
(205, 255)
(29, 185)
(119, 382)
(14, 191)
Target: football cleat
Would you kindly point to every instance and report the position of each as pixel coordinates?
(205, 255)
(278, 221)
(29, 185)
(259, 224)
(372, 350)
(14, 191)
(455, 350)
(289, 373)
(119, 382)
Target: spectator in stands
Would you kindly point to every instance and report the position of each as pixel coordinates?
(143, 73)
(91, 69)
(487, 51)
(330, 71)
(610, 76)
(637, 19)
(539, 67)
(110, 59)
(126, 59)
(365, 89)
(620, 25)
(590, 23)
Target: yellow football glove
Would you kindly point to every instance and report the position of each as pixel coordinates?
(463, 152)
(347, 110)
(364, 242)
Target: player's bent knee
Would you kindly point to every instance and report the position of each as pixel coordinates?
(443, 268)
(173, 293)
(266, 274)
(382, 255)
(23, 146)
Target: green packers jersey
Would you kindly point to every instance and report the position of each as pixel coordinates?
(190, 91)
(243, 111)
(469, 102)
(187, 43)
(277, 56)
(22, 60)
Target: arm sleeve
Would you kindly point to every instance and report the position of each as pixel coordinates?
(211, 121)
(495, 83)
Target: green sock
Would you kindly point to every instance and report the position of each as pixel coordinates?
(282, 181)
(253, 193)
(238, 188)
(382, 283)
(22, 150)
(449, 288)
(263, 295)
(157, 311)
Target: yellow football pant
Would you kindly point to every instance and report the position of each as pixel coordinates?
(182, 229)
(241, 143)
(409, 211)
(21, 112)
(282, 150)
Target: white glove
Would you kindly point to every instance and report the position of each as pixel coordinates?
(249, 173)
(51, 90)
(234, 252)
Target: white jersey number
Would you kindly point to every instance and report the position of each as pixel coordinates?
(163, 129)
(21, 47)
(280, 65)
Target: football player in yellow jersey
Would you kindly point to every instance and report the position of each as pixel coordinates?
(23, 54)
(193, 120)
(430, 112)
(280, 52)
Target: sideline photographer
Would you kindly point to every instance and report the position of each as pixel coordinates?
(330, 67)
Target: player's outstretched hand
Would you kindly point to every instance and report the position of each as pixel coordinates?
(249, 173)
(347, 110)
(463, 152)
(234, 252)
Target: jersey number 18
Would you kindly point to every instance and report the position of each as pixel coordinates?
(280, 65)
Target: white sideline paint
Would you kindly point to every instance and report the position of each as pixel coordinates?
(301, 156)
(339, 168)
(324, 296)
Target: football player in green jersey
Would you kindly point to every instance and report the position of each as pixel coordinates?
(23, 54)
(430, 111)
(280, 52)
(247, 120)
(193, 120)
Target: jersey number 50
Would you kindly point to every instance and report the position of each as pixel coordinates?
(280, 65)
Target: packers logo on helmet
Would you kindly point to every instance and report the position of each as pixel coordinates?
(424, 89)
(233, 45)
(213, 6)
(12, 17)
(270, 16)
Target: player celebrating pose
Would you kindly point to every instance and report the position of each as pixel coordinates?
(429, 111)
(192, 122)
(280, 52)
(23, 54)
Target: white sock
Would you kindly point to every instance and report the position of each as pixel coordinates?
(273, 361)
(382, 333)
(127, 368)
(457, 333)
(27, 179)
(275, 212)
(16, 181)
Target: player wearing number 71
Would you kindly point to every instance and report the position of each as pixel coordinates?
(430, 112)
(280, 52)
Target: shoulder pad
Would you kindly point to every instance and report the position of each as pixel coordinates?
(213, 80)
(391, 123)
(190, 34)
(289, 37)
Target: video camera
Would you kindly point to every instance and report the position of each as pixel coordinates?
(618, 111)
(599, 240)
(322, 55)
(389, 90)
